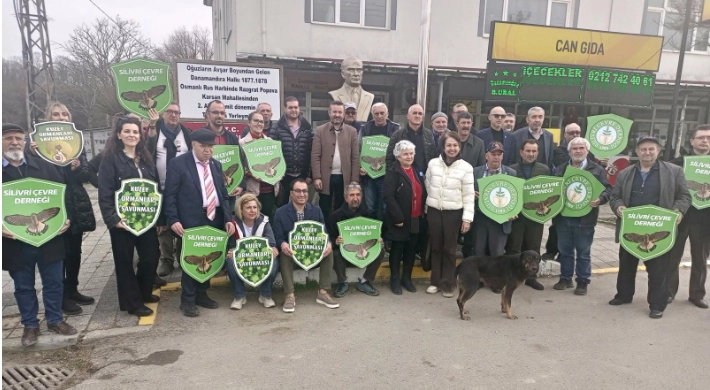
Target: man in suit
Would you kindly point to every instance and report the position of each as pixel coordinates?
(490, 236)
(693, 226)
(652, 182)
(496, 132)
(284, 219)
(526, 234)
(534, 130)
(351, 91)
(509, 122)
(335, 159)
(195, 195)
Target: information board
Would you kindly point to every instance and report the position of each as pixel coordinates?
(241, 87)
(515, 82)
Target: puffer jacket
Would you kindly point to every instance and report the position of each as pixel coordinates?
(450, 187)
(252, 185)
(81, 211)
(297, 151)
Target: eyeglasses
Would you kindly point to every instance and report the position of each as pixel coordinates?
(703, 138)
(498, 116)
(574, 132)
(218, 112)
(350, 112)
(258, 121)
(172, 112)
(300, 191)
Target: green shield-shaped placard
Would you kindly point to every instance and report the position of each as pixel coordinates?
(58, 142)
(253, 259)
(33, 209)
(138, 203)
(542, 198)
(232, 168)
(697, 175)
(308, 241)
(142, 85)
(608, 134)
(580, 189)
(372, 155)
(265, 159)
(203, 252)
(647, 231)
(500, 196)
(361, 240)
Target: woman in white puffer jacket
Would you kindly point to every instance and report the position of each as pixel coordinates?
(450, 204)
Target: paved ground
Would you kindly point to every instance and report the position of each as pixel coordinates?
(560, 341)
(97, 279)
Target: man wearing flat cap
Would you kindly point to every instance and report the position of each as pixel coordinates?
(650, 182)
(22, 259)
(195, 195)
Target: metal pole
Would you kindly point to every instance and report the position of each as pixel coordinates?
(679, 72)
(441, 96)
(425, 25)
(679, 141)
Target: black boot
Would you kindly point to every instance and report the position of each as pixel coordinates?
(69, 307)
(407, 266)
(204, 301)
(79, 298)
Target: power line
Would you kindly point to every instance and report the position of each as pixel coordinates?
(114, 22)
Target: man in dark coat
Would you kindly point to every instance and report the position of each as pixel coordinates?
(534, 130)
(420, 136)
(22, 259)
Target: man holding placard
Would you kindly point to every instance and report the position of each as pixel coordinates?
(284, 220)
(650, 182)
(195, 195)
(21, 258)
(697, 166)
(577, 233)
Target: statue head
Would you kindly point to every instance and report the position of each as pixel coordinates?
(351, 70)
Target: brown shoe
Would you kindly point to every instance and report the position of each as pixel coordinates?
(62, 328)
(29, 336)
(326, 300)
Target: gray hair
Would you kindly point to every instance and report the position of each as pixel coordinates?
(352, 187)
(536, 108)
(403, 145)
(572, 124)
(380, 104)
(578, 140)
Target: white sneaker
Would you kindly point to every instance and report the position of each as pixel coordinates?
(432, 290)
(267, 302)
(448, 295)
(237, 303)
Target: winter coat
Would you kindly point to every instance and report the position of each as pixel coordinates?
(590, 220)
(80, 209)
(450, 187)
(398, 201)
(342, 214)
(296, 151)
(323, 151)
(430, 150)
(261, 228)
(152, 142)
(250, 184)
(367, 129)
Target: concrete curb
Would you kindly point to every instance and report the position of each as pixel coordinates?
(45, 342)
(104, 333)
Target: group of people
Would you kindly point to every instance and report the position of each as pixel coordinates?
(428, 201)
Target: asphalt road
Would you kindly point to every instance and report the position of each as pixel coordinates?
(417, 341)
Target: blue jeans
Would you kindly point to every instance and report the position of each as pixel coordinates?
(238, 287)
(570, 237)
(52, 275)
(374, 197)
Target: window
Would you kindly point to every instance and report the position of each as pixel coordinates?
(367, 13)
(660, 19)
(543, 12)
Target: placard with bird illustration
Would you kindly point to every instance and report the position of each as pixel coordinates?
(361, 240)
(33, 210)
(203, 252)
(542, 198)
(648, 231)
(142, 85)
(265, 160)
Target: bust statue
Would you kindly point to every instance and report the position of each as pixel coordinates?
(351, 91)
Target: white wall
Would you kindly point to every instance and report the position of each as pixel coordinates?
(454, 40)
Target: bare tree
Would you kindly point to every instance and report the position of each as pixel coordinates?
(673, 21)
(186, 44)
(14, 80)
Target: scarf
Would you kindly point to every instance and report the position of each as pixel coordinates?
(170, 135)
(350, 213)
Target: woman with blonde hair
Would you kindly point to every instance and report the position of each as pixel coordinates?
(265, 192)
(249, 221)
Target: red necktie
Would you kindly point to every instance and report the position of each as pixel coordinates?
(209, 192)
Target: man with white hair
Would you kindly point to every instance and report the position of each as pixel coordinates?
(455, 111)
(379, 125)
(534, 130)
(577, 233)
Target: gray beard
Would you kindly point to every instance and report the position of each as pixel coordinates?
(17, 155)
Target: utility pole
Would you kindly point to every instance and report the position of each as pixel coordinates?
(668, 153)
(425, 25)
(37, 56)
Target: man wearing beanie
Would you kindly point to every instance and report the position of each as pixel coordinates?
(439, 125)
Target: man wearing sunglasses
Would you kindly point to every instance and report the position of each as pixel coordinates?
(496, 132)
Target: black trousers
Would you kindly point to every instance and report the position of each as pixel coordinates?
(134, 287)
(191, 288)
(525, 235)
(72, 261)
(699, 253)
(335, 199)
(403, 251)
(445, 226)
(268, 201)
(340, 265)
(657, 270)
(551, 244)
(489, 238)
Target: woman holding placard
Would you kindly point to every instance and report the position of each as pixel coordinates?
(249, 221)
(449, 183)
(265, 192)
(404, 195)
(126, 157)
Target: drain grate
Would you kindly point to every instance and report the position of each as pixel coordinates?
(34, 377)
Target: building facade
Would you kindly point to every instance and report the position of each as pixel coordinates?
(310, 38)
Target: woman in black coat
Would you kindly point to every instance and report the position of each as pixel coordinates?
(81, 215)
(404, 196)
(126, 157)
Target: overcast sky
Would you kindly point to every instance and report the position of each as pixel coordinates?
(157, 18)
